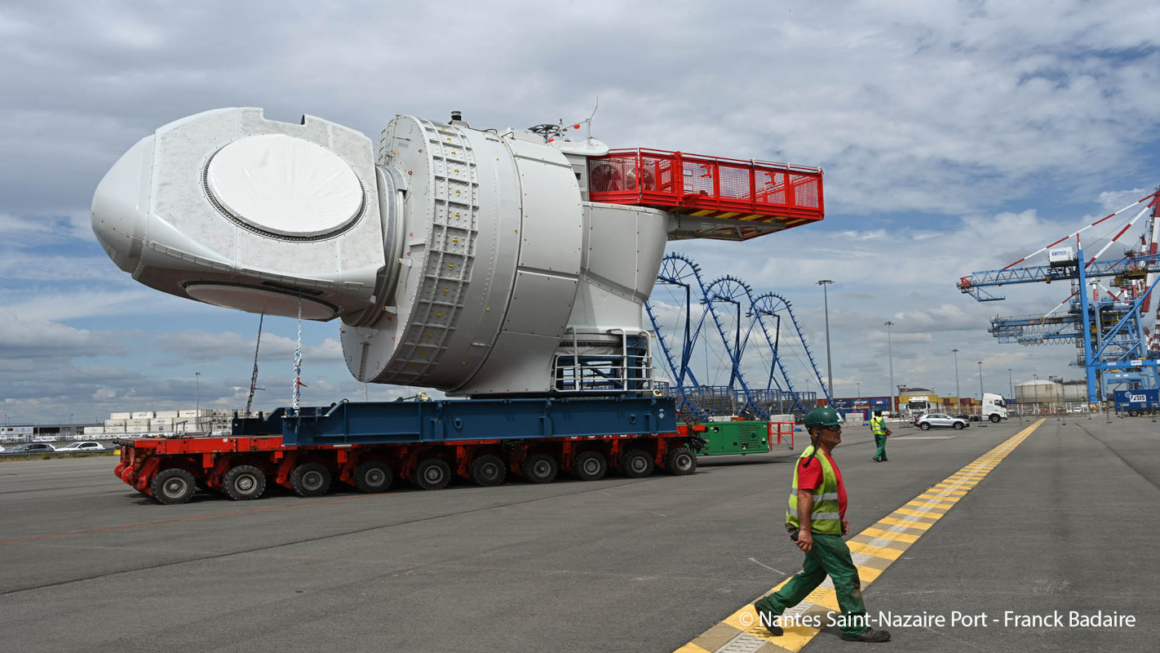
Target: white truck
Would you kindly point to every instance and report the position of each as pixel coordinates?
(993, 408)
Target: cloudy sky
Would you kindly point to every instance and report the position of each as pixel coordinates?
(955, 136)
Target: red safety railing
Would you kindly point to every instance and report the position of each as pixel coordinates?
(671, 180)
(778, 430)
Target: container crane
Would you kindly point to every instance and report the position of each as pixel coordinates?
(1109, 332)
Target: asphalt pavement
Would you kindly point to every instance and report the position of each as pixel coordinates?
(1063, 523)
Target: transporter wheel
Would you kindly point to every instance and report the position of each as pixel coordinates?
(589, 466)
(540, 468)
(172, 485)
(958, 426)
(680, 461)
(432, 474)
(373, 476)
(995, 419)
(310, 480)
(243, 483)
(1132, 413)
(924, 426)
(488, 470)
(636, 464)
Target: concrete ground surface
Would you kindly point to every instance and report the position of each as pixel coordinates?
(1066, 522)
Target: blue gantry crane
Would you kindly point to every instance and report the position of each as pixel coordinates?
(1109, 331)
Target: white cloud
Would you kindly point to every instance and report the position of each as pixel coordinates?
(931, 111)
(41, 339)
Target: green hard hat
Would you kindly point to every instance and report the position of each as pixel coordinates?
(823, 416)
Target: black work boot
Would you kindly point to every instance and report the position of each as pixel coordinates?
(869, 635)
(767, 620)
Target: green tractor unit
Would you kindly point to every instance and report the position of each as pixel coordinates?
(733, 438)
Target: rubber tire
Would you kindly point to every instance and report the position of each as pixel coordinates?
(924, 426)
(310, 480)
(172, 486)
(680, 461)
(373, 476)
(958, 426)
(432, 474)
(488, 471)
(589, 466)
(540, 468)
(244, 473)
(636, 464)
(995, 419)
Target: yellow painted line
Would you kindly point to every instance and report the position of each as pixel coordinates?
(888, 535)
(743, 631)
(876, 551)
(931, 504)
(909, 524)
(868, 574)
(920, 513)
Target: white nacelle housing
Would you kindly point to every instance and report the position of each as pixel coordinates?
(457, 259)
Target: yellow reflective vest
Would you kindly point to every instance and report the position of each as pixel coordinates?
(878, 425)
(825, 517)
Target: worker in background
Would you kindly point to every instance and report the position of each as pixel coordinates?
(816, 521)
(878, 426)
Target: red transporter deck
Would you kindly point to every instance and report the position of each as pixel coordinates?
(241, 467)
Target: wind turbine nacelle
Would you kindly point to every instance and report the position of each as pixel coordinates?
(457, 259)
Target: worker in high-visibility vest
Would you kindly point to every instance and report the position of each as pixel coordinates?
(816, 521)
(878, 426)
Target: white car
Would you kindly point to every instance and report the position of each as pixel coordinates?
(936, 420)
(81, 447)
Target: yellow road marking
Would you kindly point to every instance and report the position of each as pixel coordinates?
(920, 513)
(909, 524)
(743, 626)
(888, 535)
(876, 551)
(868, 574)
(930, 504)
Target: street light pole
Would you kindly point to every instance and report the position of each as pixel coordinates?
(890, 357)
(958, 391)
(980, 387)
(197, 394)
(829, 360)
(1011, 386)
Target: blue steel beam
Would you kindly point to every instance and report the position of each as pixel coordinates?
(976, 285)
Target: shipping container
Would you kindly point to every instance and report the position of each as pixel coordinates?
(137, 429)
(165, 414)
(145, 414)
(120, 415)
(94, 430)
(115, 423)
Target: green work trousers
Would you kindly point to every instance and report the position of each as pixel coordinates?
(829, 557)
(880, 438)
